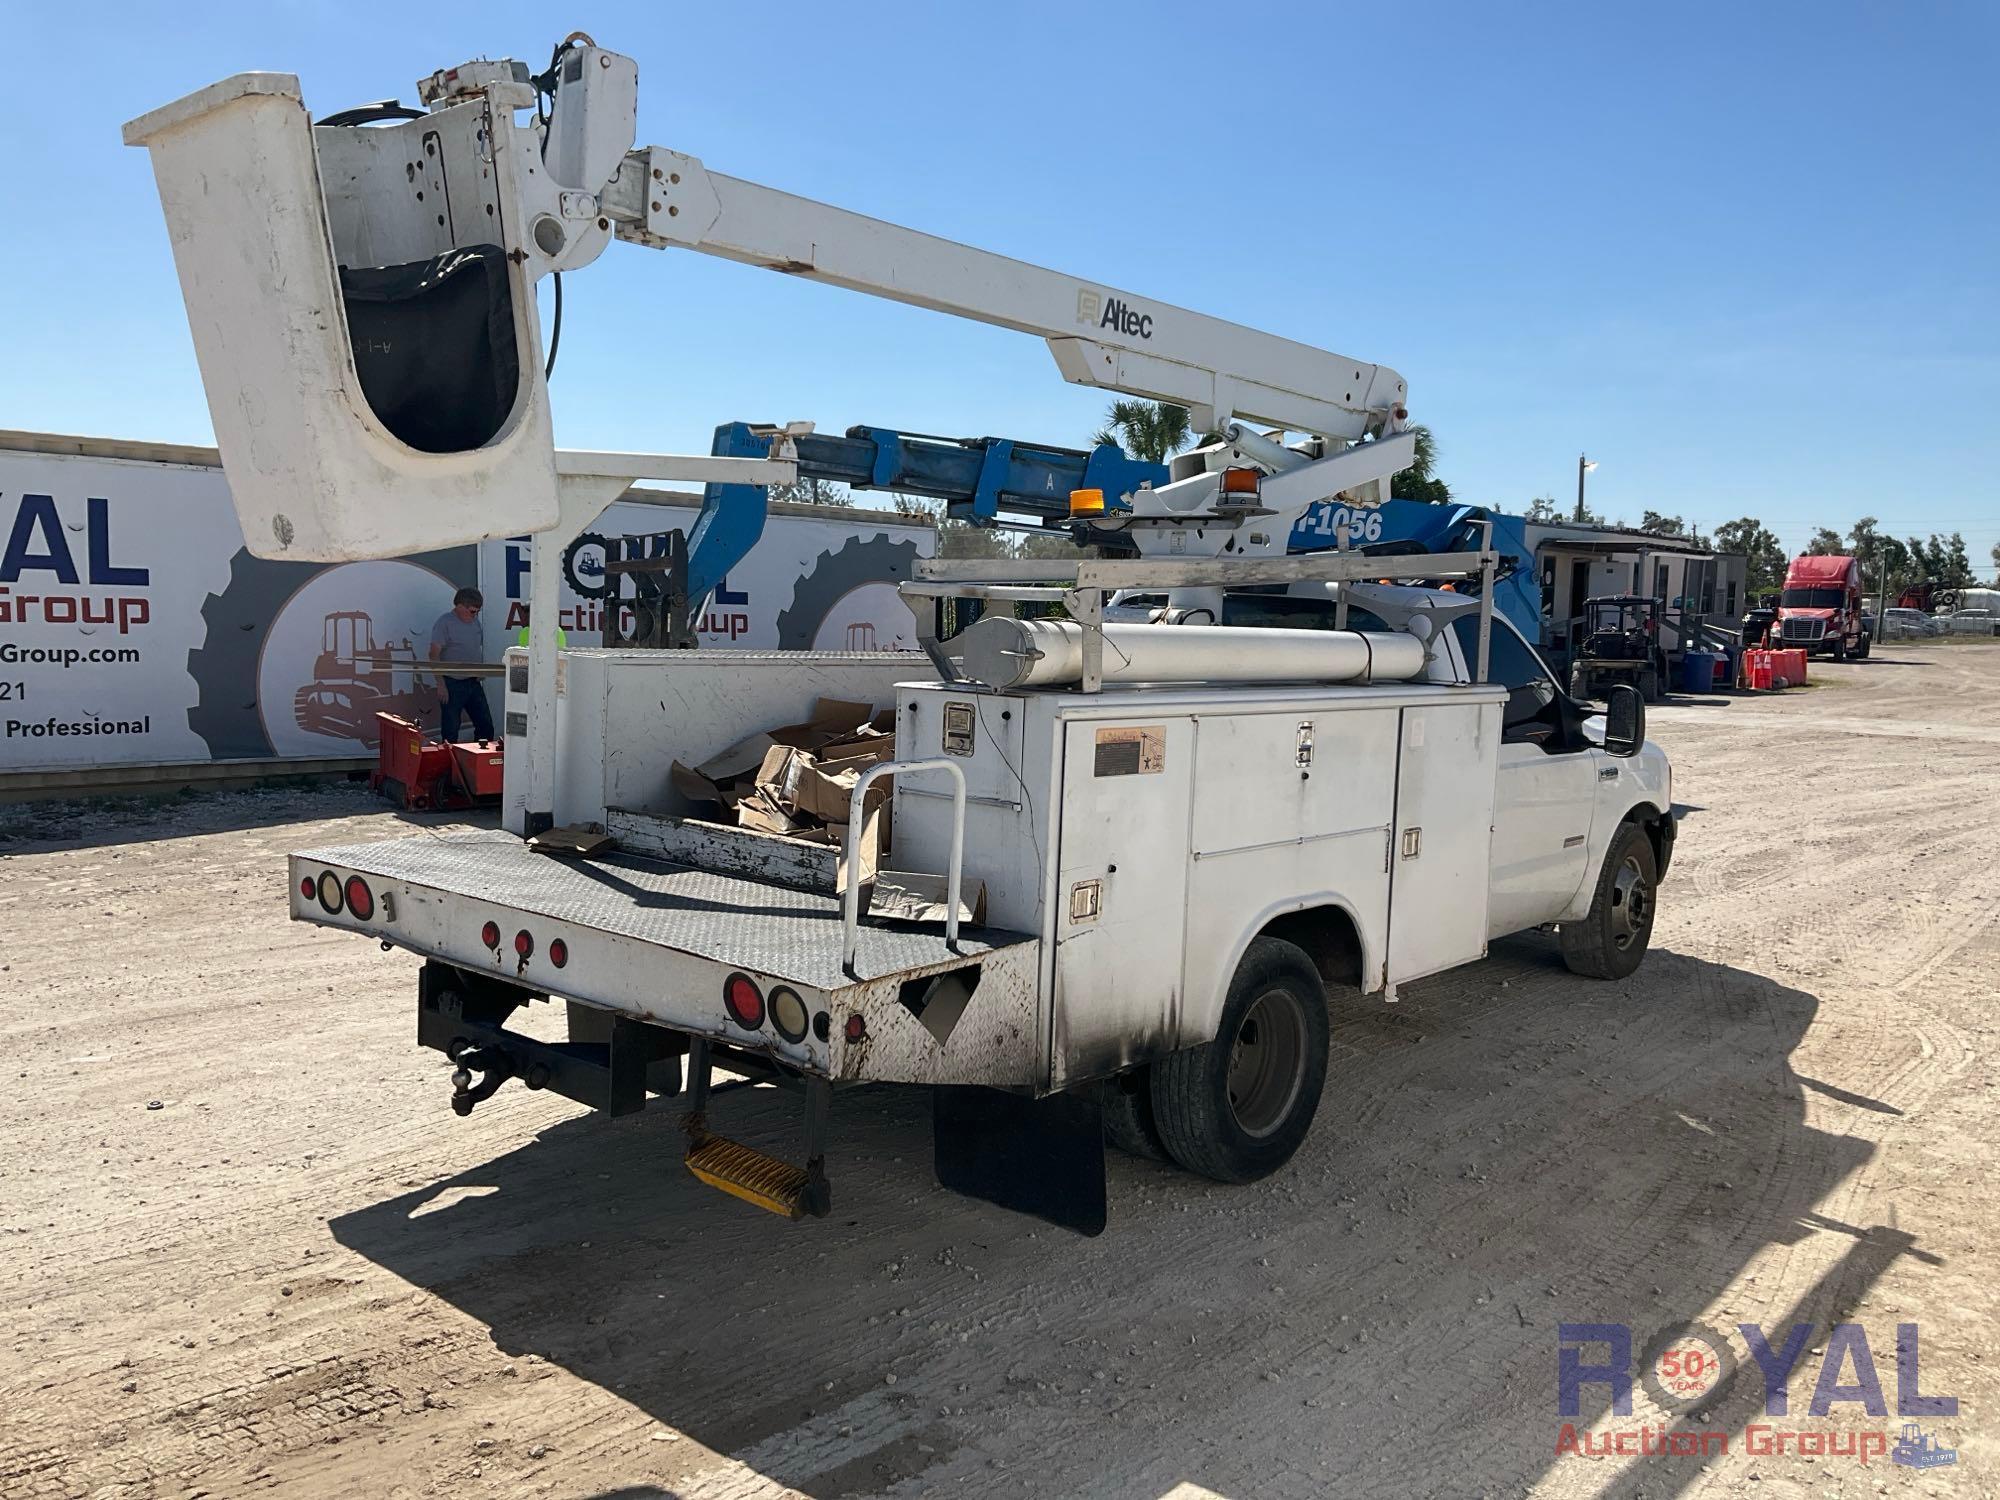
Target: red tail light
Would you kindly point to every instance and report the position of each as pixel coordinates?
(744, 1001)
(307, 887)
(490, 934)
(856, 1028)
(559, 953)
(360, 900)
(524, 943)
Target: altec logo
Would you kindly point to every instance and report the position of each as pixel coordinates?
(1693, 1365)
(1117, 314)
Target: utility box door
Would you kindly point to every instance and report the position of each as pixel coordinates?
(1441, 852)
(1121, 892)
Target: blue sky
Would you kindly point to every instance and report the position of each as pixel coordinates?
(1743, 254)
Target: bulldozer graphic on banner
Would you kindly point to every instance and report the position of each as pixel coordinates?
(354, 679)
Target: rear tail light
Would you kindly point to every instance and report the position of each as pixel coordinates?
(329, 893)
(490, 934)
(559, 953)
(307, 886)
(744, 1001)
(856, 1029)
(360, 900)
(789, 1017)
(524, 943)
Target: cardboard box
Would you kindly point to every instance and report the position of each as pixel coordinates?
(907, 896)
(728, 776)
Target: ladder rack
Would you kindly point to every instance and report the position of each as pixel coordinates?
(1080, 587)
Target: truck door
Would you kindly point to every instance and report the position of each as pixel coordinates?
(1120, 897)
(1544, 791)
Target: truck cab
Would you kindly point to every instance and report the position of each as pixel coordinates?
(1819, 609)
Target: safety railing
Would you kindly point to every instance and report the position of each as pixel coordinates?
(850, 896)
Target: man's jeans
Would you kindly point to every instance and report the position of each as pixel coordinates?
(464, 695)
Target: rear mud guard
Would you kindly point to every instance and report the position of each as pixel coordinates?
(1041, 1157)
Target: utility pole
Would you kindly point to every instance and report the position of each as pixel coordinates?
(1583, 467)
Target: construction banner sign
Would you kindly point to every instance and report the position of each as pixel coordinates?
(136, 630)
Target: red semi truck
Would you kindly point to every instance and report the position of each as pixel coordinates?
(1820, 608)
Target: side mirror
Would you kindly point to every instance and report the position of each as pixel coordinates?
(1624, 720)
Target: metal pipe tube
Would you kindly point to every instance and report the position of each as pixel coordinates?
(1272, 454)
(1005, 653)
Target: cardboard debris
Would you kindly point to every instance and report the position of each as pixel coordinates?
(574, 841)
(726, 777)
(905, 896)
(798, 780)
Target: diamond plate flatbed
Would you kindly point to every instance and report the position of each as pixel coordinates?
(789, 934)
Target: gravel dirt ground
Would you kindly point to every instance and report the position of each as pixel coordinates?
(245, 1247)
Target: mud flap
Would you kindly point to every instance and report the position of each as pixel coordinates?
(1042, 1157)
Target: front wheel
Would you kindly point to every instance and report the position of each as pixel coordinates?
(1236, 1108)
(1610, 942)
(1861, 651)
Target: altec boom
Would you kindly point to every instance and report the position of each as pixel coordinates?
(1149, 852)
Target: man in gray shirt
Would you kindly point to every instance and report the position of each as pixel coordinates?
(457, 637)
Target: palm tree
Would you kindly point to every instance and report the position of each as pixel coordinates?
(1148, 430)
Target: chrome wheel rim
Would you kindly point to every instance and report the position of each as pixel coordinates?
(1267, 1063)
(1631, 904)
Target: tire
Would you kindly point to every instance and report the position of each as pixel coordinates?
(1127, 1106)
(1610, 943)
(1867, 645)
(1579, 685)
(1649, 685)
(1838, 651)
(1236, 1108)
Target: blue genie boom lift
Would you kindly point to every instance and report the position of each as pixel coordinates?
(981, 479)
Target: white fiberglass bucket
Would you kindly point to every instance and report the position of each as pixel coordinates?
(314, 472)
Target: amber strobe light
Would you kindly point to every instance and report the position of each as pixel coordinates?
(744, 1001)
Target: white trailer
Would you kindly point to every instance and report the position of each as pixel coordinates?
(1183, 835)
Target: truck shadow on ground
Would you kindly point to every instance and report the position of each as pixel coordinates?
(1508, 1149)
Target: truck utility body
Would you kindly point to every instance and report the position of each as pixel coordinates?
(1171, 836)
(1134, 848)
(1128, 843)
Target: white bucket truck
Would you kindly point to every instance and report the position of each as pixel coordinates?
(1174, 837)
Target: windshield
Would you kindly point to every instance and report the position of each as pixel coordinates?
(1813, 598)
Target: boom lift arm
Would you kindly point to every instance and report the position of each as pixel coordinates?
(362, 300)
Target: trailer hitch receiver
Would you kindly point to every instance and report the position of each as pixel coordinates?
(493, 1065)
